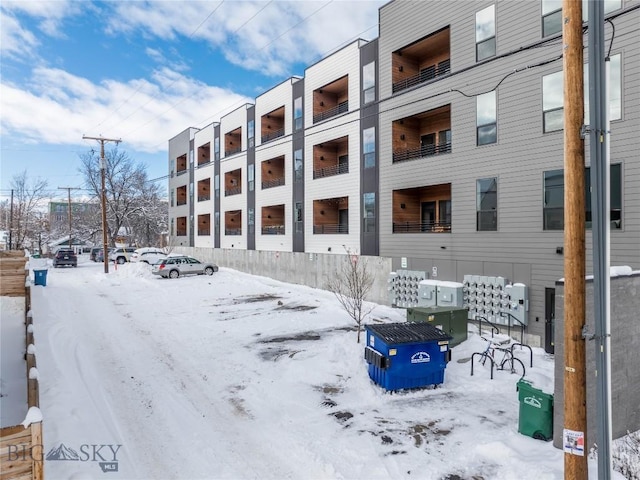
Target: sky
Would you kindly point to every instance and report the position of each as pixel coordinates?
(235, 376)
(143, 71)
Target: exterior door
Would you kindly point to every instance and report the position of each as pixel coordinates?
(428, 216)
(549, 319)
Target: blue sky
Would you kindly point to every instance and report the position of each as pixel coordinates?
(143, 71)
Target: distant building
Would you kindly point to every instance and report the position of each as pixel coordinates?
(83, 218)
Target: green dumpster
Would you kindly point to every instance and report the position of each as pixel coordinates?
(536, 411)
(452, 321)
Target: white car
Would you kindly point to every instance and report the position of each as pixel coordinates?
(148, 255)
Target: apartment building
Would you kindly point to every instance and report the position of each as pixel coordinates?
(438, 145)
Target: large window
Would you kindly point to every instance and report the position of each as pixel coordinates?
(552, 14)
(216, 148)
(369, 147)
(369, 82)
(553, 96)
(553, 208)
(251, 177)
(297, 218)
(297, 114)
(369, 212)
(487, 205)
(251, 133)
(486, 33)
(297, 166)
(486, 119)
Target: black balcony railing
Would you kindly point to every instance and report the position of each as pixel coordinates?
(331, 112)
(232, 191)
(424, 151)
(273, 230)
(181, 202)
(329, 229)
(232, 150)
(422, 227)
(204, 198)
(271, 135)
(425, 75)
(276, 182)
(204, 231)
(204, 162)
(181, 233)
(233, 231)
(181, 172)
(331, 171)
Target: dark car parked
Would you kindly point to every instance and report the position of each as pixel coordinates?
(93, 253)
(65, 258)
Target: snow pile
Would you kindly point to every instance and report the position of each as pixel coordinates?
(34, 415)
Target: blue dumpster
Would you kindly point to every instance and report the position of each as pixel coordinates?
(40, 277)
(406, 355)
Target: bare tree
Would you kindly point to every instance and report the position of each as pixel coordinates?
(351, 284)
(133, 201)
(28, 200)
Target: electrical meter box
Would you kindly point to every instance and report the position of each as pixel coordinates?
(452, 321)
(403, 287)
(427, 293)
(449, 294)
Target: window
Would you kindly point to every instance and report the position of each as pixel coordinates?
(553, 209)
(551, 17)
(553, 205)
(251, 132)
(216, 148)
(172, 197)
(216, 185)
(297, 113)
(486, 33)
(369, 82)
(250, 220)
(615, 196)
(369, 212)
(172, 166)
(486, 119)
(216, 224)
(369, 147)
(553, 96)
(298, 217)
(487, 205)
(297, 166)
(250, 177)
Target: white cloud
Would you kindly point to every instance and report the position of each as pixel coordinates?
(60, 108)
(260, 36)
(15, 41)
(49, 13)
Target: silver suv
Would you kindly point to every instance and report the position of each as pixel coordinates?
(175, 266)
(121, 255)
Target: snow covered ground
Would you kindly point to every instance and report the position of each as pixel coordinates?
(241, 377)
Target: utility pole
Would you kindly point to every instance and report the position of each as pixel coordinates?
(68, 189)
(599, 140)
(575, 405)
(11, 222)
(103, 195)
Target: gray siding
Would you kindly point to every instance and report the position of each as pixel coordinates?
(518, 159)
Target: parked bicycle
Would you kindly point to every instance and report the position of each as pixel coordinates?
(500, 357)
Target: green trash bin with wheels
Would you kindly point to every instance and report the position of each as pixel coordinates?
(536, 411)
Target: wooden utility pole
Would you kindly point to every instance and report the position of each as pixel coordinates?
(103, 196)
(68, 189)
(575, 405)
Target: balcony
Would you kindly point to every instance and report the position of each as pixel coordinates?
(233, 141)
(273, 230)
(181, 164)
(232, 185)
(181, 226)
(204, 154)
(233, 231)
(422, 135)
(272, 135)
(181, 195)
(331, 158)
(232, 191)
(422, 210)
(204, 190)
(331, 216)
(331, 171)
(331, 112)
(330, 229)
(422, 61)
(419, 227)
(276, 182)
(204, 232)
(331, 100)
(424, 151)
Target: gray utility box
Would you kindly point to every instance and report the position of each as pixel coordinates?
(452, 321)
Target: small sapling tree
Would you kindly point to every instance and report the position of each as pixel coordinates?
(350, 284)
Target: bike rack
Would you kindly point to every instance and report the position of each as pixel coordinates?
(526, 346)
(493, 325)
(493, 363)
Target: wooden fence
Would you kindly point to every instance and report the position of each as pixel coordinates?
(21, 449)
